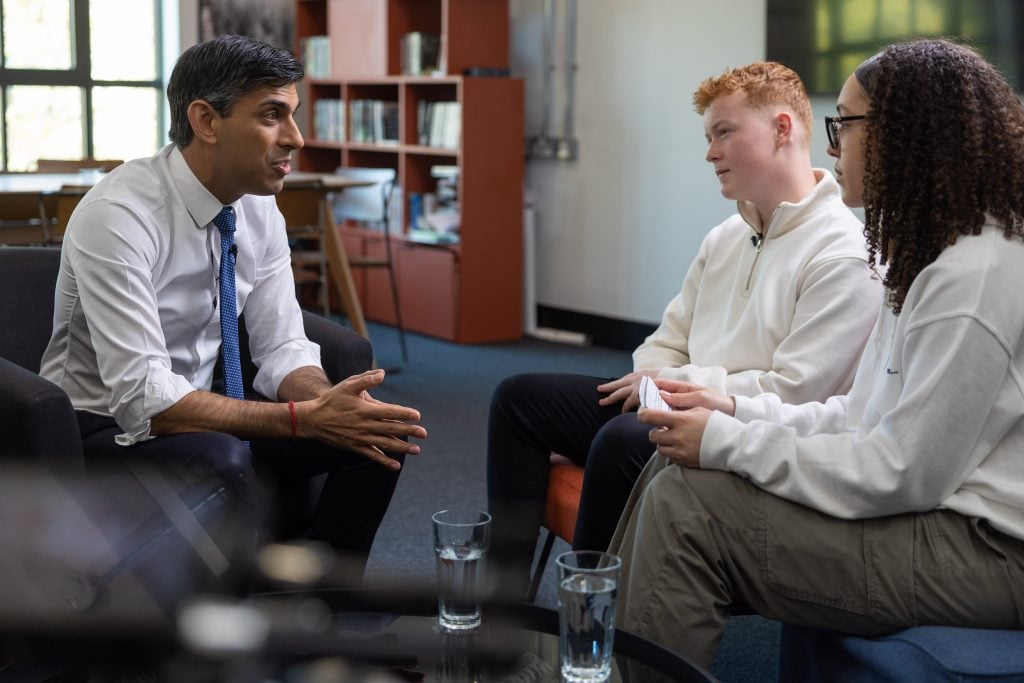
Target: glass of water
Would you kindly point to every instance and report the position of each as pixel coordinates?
(461, 538)
(587, 586)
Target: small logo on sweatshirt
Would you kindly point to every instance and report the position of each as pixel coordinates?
(890, 371)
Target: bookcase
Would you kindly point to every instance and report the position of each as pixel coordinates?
(469, 290)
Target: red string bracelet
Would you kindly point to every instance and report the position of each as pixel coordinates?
(295, 420)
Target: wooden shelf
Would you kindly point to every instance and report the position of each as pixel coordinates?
(351, 231)
(392, 149)
(371, 147)
(385, 80)
(429, 151)
(325, 144)
(470, 291)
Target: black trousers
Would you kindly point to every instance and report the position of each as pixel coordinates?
(280, 477)
(533, 415)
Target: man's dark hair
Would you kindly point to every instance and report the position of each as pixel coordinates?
(220, 72)
(944, 148)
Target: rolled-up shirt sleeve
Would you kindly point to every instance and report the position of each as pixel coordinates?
(113, 275)
(277, 338)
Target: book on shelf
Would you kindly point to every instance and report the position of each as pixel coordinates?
(374, 121)
(419, 53)
(316, 56)
(443, 220)
(435, 217)
(421, 122)
(432, 237)
(452, 126)
(439, 124)
(329, 120)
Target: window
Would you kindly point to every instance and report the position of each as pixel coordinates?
(79, 79)
(825, 40)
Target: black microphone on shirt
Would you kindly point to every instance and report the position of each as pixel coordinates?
(233, 250)
(755, 240)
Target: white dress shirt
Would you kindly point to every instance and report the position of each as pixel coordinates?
(137, 317)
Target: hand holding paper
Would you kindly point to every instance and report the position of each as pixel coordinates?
(650, 396)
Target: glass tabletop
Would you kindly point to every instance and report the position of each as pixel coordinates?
(397, 637)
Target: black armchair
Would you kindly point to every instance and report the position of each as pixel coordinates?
(120, 521)
(36, 418)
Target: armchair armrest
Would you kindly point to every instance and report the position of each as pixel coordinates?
(37, 420)
(343, 353)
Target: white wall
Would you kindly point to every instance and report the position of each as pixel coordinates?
(617, 229)
(188, 27)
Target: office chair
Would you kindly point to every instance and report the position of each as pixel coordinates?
(561, 507)
(23, 220)
(151, 533)
(368, 205)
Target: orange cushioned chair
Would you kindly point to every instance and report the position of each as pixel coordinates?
(565, 485)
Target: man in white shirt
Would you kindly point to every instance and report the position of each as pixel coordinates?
(137, 324)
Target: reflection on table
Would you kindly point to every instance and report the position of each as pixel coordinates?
(128, 584)
(359, 635)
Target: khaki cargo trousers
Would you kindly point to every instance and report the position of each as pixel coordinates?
(695, 542)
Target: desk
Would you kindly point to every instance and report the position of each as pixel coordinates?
(45, 183)
(29, 204)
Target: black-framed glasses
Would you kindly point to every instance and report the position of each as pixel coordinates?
(833, 124)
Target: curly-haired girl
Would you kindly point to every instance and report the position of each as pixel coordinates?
(902, 503)
(943, 155)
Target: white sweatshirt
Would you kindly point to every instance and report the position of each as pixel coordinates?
(935, 418)
(790, 316)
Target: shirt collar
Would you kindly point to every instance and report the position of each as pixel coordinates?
(199, 202)
(824, 184)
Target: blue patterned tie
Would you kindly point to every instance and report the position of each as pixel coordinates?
(225, 222)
